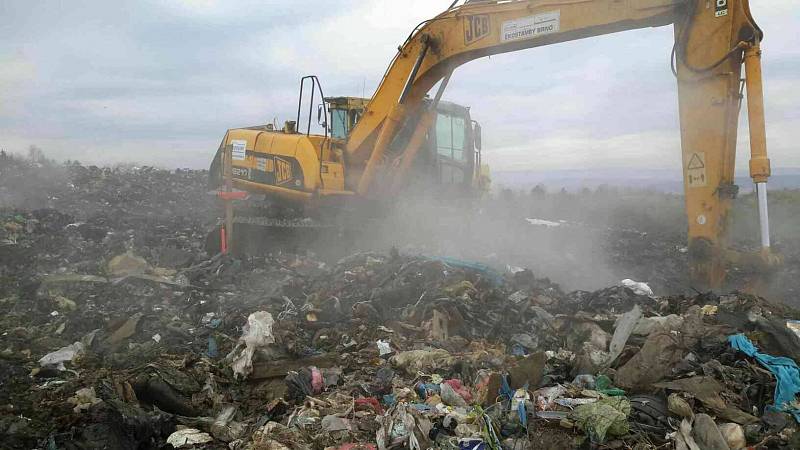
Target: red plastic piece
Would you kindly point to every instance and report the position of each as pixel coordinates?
(223, 246)
(369, 402)
(235, 195)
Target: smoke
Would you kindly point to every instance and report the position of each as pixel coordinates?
(29, 181)
(588, 239)
(576, 250)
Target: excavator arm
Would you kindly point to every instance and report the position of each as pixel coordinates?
(713, 39)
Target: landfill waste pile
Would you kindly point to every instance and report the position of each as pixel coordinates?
(117, 330)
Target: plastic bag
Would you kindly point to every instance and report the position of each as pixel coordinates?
(256, 334)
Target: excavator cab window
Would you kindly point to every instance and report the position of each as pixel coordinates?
(450, 136)
(343, 121)
(339, 124)
(453, 155)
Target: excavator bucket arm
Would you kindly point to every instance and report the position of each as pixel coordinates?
(712, 39)
(710, 43)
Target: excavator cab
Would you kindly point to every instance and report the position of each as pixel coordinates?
(452, 160)
(344, 113)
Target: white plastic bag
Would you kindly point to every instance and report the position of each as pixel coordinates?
(637, 287)
(188, 437)
(256, 334)
(62, 355)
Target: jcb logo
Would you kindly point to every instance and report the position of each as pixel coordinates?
(721, 8)
(283, 171)
(475, 28)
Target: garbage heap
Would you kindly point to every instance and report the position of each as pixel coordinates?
(386, 351)
(118, 331)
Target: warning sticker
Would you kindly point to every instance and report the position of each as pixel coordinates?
(531, 27)
(238, 150)
(696, 170)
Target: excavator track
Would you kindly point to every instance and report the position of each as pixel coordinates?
(262, 228)
(265, 221)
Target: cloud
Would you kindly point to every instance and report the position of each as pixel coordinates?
(577, 151)
(160, 82)
(16, 71)
(356, 42)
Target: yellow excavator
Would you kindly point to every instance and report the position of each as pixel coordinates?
(382, 151)
(276, 213)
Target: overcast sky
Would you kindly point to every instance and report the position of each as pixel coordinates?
(159, 81)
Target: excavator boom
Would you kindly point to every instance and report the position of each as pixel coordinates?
(713, 38)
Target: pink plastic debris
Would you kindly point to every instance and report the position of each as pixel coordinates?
(317, 382)
(460, 389)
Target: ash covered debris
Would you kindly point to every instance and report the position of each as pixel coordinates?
(120, 332)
